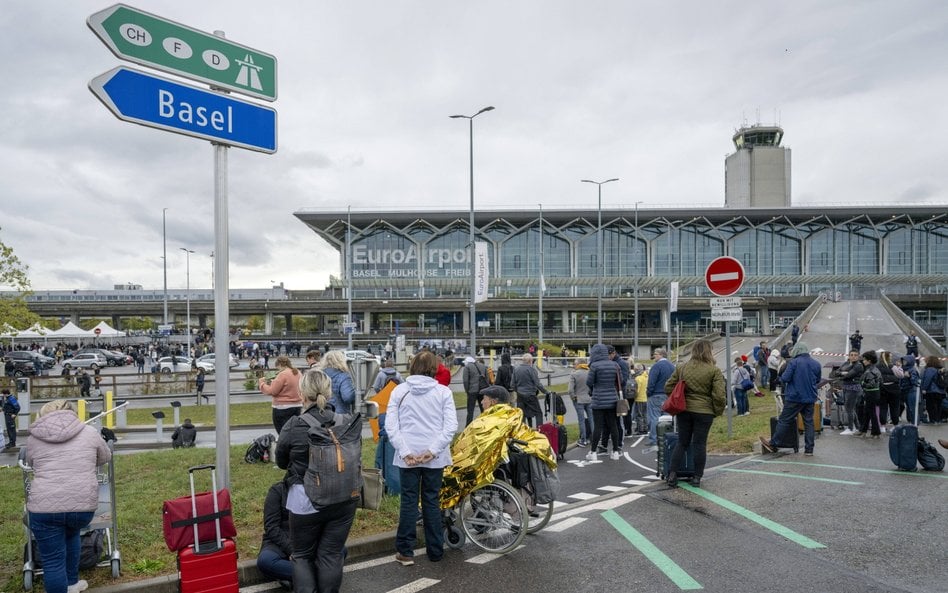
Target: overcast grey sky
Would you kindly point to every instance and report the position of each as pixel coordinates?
(647, 92)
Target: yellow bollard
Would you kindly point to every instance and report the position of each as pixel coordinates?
(539, 358)
(110, 418)
(81, 410)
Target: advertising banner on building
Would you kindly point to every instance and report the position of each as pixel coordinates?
(481, 272)
(673, 297)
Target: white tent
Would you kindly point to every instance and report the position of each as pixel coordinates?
(70, 330)
(34, 331)
(107, 331)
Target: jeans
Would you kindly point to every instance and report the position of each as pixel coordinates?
(422, 483)
(852, 394)
(319, 541)
(584, 416)
(274, 564)
(57, 539)
(787, 425)
(910, 397)
(692, 432)
(640, 413)
(472, 400)
(654, 410)
(281, 416)
(740, 400)
(763, 375)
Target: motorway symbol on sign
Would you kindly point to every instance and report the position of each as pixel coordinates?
(150, 40)
(160, 103)
(724, 276)
(725, 302)
(727, 314)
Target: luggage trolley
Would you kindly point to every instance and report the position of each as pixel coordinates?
(105, 518)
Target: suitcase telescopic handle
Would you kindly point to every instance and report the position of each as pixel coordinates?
(197, 468)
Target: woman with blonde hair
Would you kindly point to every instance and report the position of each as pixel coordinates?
(317, 534)
(334, 364)
(62, 451)
(285, 391)
(704, 399)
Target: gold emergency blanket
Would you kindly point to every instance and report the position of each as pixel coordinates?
(482, 446)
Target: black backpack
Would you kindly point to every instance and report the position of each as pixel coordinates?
(929, 457)
(259, 449)
(939, 379)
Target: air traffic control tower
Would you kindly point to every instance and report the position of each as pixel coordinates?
(757, 175)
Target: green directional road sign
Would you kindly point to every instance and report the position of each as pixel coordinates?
(150, 40)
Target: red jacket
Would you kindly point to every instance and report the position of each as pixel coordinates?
(443, 375)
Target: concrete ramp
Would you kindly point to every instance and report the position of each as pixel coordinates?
(827, 335)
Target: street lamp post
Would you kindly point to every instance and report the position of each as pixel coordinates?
(187, 253)
(635, 258)
(599, 254)
(470, 119)
(348, 326)
(164, 258)
(542, 284)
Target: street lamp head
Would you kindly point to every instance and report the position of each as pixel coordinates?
(599, 182)
(490, 108)
(458, 116)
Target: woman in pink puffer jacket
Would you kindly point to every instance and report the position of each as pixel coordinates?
(64, 494)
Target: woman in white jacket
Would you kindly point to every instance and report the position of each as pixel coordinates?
(420, 421)
(62, 451)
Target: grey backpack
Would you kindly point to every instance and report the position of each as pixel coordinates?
(334, 473)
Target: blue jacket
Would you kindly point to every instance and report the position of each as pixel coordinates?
(928, 381)
(801, 377)
(343, 391)
(603, 377)
(658, 375)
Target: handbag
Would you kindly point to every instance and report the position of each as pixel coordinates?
(622, 407)
(373, 487)
(747, 385)
(675, 404)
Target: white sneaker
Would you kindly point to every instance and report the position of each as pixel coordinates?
(614, 456)
(591, 456)
(882, 429)
(79, 587)
(846, 432)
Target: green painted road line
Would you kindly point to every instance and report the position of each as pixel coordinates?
(923, 474)
(751, 515)
(668, 566)
(783, 475)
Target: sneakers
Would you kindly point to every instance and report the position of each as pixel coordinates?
(808, 453)
(847, 432)
(403, 560)
(859, 434)
(766, 446)
(591, 456)
(614, 456)
(80, 586)
(582, 443)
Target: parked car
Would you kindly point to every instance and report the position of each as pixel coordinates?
(17, 367)
(206, 362)
(39, 361)
(86, 360)
(113, 359)
(174, 364)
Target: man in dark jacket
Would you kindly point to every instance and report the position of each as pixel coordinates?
(475, 379)
(184, 435)
(851, 374)
(85, 383)
(526, 382)
(274, 559)
(658, 375)
(801, 379)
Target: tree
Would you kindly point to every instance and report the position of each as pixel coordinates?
(13, 309)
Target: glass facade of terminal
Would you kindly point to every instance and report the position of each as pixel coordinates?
(406, 256)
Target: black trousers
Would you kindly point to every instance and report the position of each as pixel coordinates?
(605, 422)
(318, 542)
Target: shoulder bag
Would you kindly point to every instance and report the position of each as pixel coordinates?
(675, 404)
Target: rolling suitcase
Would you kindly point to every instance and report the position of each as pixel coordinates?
(667, 439)
(790, 434)
(556, 434)
(817, 419)
(208, 566)
(903, 447)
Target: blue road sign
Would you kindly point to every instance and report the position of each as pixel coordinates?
(160, 103)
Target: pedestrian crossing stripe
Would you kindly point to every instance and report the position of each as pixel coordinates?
(583, 496)
(611, 488)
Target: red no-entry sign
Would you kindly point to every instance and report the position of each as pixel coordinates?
(724, 276)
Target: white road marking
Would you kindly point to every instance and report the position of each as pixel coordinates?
(651, 477)
(637, 441)
(583, 496)
(611, 488)
(488, 556)
(602, 505)
(378, 561)
(557, 504)
(636, 482)
(634, 462)
(414, 586)
(564, 525)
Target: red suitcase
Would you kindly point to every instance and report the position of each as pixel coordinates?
(556, 434)
(208, 566)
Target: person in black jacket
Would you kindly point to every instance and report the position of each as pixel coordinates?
(85, 383)
(504, 376)
(276, 549)
(184, 435)
(317, 535)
